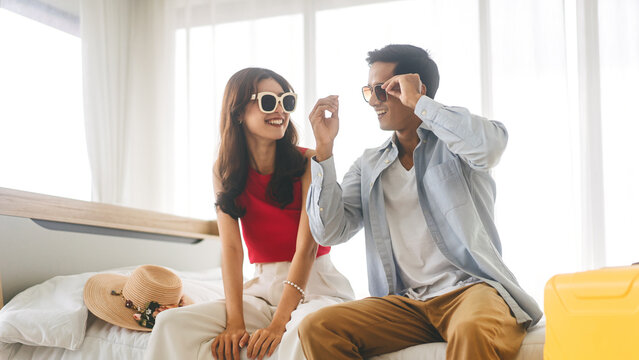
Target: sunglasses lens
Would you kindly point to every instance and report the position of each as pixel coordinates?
(366, 91)
(288, 102)
(380, 93)
(268, 102)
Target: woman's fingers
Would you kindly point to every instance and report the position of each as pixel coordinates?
(220, 350)
(265, 346)
(274, 345)
(214, 348)
(253, 342)
(244, 339)
(236, 350)
(228, 348)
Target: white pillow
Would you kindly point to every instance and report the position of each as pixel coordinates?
(48, 314)
(53, 313)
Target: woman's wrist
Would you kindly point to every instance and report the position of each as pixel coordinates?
(279, 323)
(235, 324)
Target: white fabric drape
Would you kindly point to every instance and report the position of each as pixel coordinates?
(127, 49)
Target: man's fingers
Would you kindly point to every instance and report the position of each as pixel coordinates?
(393, 86)
(330, 100)
(328, 107)
(387, 82)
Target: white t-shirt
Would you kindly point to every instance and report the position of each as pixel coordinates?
(423, 268)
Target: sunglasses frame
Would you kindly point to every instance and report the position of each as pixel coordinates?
(278, 99)
(373, 91)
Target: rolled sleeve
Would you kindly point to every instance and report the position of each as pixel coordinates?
(427, 109)
(323, 171)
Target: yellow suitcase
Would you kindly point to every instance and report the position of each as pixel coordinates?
(593, 315)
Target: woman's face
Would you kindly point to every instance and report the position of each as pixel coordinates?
(261, 126)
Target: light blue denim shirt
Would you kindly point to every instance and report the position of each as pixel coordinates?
(456, 195)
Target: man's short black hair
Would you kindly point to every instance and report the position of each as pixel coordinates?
(409, 59)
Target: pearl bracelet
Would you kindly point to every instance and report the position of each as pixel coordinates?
(301, 291)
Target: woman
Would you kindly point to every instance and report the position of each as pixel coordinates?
(262, 178)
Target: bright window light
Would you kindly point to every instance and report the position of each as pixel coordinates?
(42, 140)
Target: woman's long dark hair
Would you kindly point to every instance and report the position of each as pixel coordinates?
(233, 159)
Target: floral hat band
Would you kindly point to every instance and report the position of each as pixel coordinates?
(145, 315)
(148, 291)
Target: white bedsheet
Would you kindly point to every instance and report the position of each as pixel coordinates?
(107, 342)
(103, 341)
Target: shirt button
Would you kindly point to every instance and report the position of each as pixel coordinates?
(386, 161)
(371, 184)
(321, 209)
(423, 112)
(424, 141)
(319, 174)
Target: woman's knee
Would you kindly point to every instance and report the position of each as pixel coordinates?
(171, 319)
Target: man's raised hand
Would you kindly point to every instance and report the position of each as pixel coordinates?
(325, 128)
(408, 88)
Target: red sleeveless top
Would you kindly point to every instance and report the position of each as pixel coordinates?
(270, 233)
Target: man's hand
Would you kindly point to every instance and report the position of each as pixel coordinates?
(227, 345)
(406, 87)
(265, 340)
(325, 128)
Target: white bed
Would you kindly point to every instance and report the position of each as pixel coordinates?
(50, 246)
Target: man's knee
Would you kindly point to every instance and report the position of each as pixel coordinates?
(473, 329)
(310, 324)
(321, 321)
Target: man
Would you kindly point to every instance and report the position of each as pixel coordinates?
(425, 199)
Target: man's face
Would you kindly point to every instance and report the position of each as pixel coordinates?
(392, 114)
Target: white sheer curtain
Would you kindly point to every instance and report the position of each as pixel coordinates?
(537, 209)
(128, 49)
(214, 40)
(619, 49)
(559, 74)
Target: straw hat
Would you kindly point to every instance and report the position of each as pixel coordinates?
(133, 302)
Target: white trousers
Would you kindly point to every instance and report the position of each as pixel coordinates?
(187, 332)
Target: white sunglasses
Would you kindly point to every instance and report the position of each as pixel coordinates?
(268, 101)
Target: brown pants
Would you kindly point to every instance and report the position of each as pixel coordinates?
(474, 320)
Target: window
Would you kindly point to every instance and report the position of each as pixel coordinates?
(206, 57)
(345, 35)
(42, 141)
(520, 63)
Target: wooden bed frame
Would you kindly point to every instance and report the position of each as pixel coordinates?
(42, 236)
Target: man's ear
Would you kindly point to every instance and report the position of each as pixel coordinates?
(423, 92)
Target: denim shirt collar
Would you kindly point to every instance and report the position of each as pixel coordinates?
(392, 140)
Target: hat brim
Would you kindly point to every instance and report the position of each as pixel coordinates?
(111, 308)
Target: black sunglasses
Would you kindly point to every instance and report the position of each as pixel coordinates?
(368, 91)
(268, 101)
